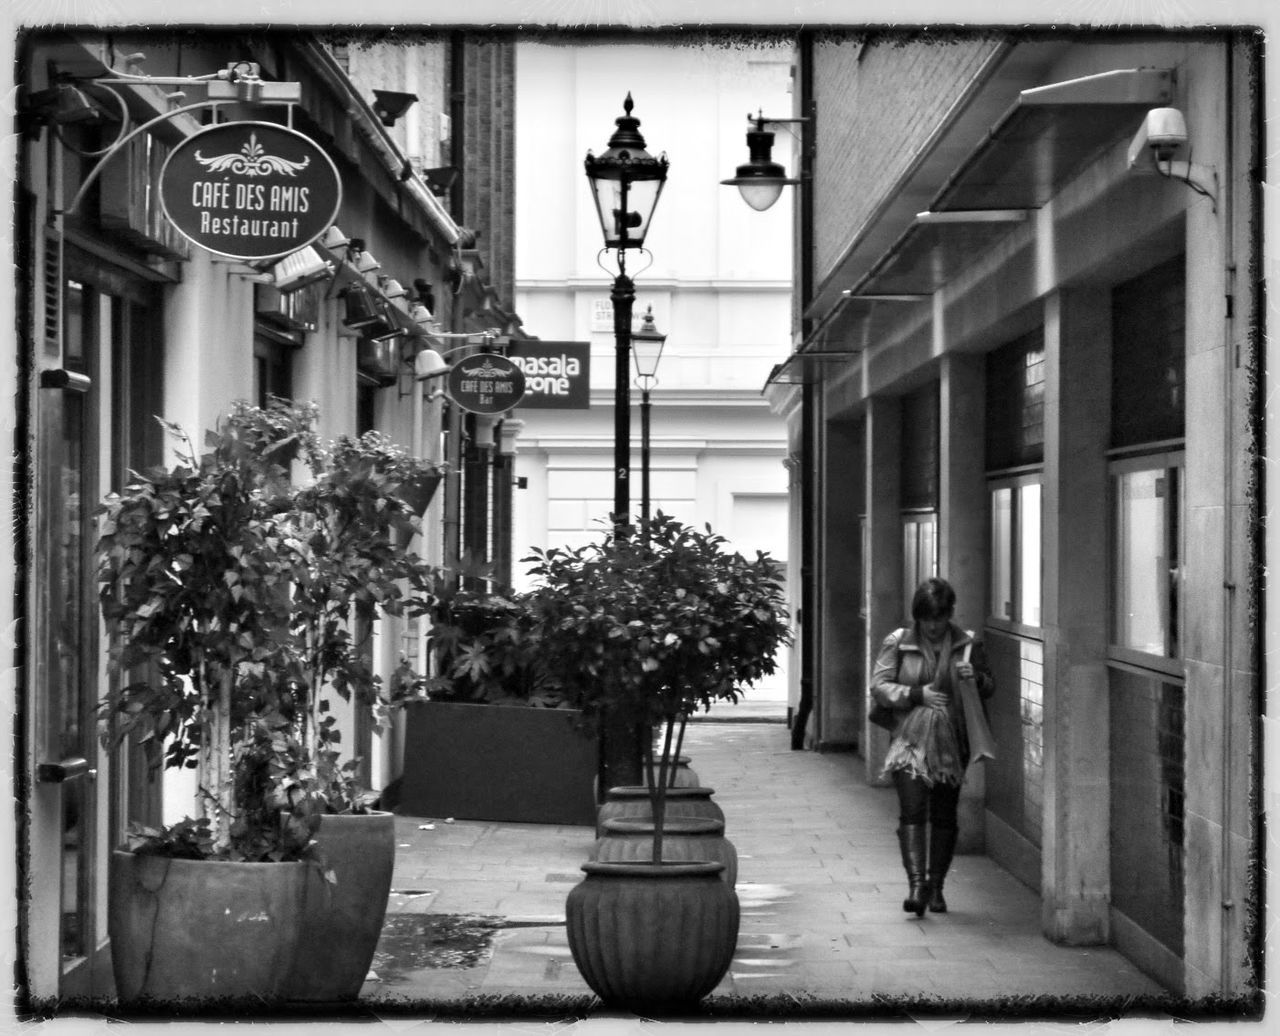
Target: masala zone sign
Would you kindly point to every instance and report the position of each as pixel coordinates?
(250, 190)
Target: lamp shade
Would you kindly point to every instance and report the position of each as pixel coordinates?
(626, 182)
(646, 346)
(761, 179)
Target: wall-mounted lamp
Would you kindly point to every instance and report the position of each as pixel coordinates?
(389, 105)
(1159, 147)
(420, 315)
(366, 263)
(761, 179)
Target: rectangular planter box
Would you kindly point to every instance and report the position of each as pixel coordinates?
(497, 762)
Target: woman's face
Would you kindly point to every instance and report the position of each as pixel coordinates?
(934, 629)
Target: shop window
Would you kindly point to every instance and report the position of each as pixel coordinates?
(272, 368)
(1016, 555)
(1146, 568)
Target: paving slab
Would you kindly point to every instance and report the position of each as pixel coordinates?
(820, 892)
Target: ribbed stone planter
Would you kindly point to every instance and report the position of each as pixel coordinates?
(631, 802)
(202, 931)
(652, 938)
(684, 840)
(341, 923)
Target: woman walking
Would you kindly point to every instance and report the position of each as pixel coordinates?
(918, 674)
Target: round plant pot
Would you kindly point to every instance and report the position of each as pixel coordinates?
(652, 938)
(341, 922)
(684, 840)
(202, 930)
(631, 802)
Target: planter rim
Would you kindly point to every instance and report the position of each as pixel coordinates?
(369, 814)
(209, 863)
(641, 791)
(647, 869)
(671, 826)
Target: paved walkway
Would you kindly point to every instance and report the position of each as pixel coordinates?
(478, 908)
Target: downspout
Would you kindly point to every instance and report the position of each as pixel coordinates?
(453, 439)
(808, 614)
(1230, 361)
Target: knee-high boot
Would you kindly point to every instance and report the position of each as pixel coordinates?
(942, 846)
(911, 837)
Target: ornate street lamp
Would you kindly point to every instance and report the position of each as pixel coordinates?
(647, 346)
(625, 183)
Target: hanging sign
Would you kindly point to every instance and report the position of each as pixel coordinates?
(557, 374)
(486, 384)
(250, 190)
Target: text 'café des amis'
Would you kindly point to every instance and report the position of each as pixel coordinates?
(250, 190)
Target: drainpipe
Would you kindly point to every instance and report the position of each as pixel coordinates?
(808, 613)
(1230, 361)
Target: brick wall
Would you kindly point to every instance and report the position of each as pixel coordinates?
(488, 156)
(878, 101)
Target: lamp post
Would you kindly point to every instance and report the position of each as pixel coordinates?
(647, 346)
(625, 184)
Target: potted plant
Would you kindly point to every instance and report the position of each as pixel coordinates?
(229, 595)
(648, 630)
(488, 736)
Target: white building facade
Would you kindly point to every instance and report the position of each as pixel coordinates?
(719, 287)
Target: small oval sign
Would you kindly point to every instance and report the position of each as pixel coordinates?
(485, 384)
(250, 190)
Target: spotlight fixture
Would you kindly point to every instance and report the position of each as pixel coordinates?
(392, 288)
(389, 105)
(366, 263)
(334, 239)
(299, 269)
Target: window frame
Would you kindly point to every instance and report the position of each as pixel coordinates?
(1013, 479)
(1166, 456)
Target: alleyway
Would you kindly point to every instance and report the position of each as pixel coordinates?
(820, 885)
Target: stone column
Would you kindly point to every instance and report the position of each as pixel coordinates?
(882, 566)
(962, 539)
(1075, 851)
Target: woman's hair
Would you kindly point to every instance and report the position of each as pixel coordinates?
(934, 599)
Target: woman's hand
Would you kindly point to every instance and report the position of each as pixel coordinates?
(935, 699)
(964, 670)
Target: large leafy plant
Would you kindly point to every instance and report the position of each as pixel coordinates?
(644, 629)
(235, 600)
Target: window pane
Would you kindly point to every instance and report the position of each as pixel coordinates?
(910, 574)
(1141, 562)
(928, 555)
(1029, 554)
(1001, 553)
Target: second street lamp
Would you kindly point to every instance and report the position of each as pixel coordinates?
(625, 184)
(647, 346)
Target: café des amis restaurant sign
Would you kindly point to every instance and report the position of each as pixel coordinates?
(250, 190)
(486, 383)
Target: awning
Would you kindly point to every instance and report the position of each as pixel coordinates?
(1040, 143)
